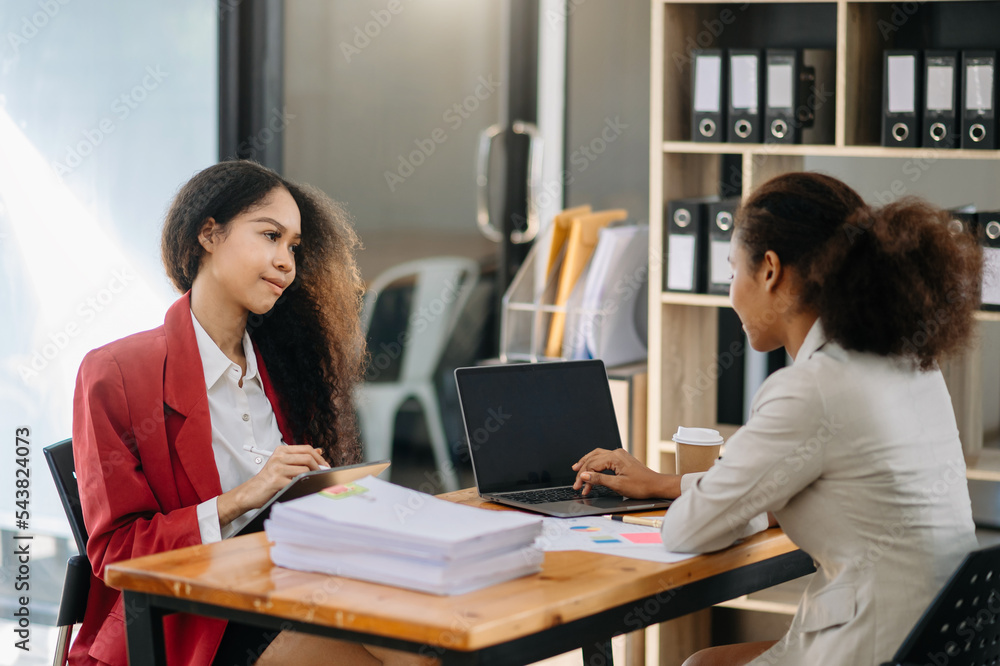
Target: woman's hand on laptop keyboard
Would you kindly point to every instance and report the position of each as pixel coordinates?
(631, 478)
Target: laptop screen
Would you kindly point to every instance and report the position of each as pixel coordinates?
(527, 423)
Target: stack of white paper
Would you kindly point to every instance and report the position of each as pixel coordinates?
(376, 531)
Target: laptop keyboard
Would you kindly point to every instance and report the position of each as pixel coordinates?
(563, 494)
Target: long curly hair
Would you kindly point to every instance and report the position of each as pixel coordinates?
(895, 280)
(311, 340)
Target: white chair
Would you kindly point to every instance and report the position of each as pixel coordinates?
(441, 287)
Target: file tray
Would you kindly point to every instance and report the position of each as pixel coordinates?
(528, 310)
(527, 306)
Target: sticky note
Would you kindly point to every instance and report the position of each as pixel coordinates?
(644, 537)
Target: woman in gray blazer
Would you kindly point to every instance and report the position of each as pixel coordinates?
(853, 449)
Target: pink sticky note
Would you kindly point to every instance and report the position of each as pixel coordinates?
(644, 537)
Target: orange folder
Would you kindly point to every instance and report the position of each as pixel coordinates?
(580, 244)
(560, 232)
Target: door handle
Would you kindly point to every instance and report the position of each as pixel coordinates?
(486, 138)
(534, 180)
(534, 185)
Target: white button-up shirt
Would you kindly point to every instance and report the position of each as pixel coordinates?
(244, 429)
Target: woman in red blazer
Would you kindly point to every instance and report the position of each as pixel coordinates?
(267, 272)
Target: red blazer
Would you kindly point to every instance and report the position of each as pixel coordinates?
(142, 443)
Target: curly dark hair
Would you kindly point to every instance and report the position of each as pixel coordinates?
(896, 280)
(311, 340)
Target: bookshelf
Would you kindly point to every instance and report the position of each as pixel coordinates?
(683, 327)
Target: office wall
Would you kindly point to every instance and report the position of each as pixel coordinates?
(373, 92)
(606, 154)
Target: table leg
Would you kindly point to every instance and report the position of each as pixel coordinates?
(144, 630)
(598, 654)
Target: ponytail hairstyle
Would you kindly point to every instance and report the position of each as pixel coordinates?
(896, 280)
(311, 340)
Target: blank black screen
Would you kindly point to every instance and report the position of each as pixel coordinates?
(527, 424)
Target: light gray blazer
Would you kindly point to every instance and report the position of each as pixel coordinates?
(858, 456)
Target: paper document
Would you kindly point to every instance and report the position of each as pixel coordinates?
(421, 575)
(614, 287)
(609, 537)
(377, 531)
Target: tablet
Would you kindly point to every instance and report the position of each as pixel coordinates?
(308, 483)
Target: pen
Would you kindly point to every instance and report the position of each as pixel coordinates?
(261, 452)
(636, 520)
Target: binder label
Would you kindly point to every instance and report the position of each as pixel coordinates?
(940, 87)
(680, 262)
(744, 77)
(708, 77)
(719, 257)
(779, 87)
(979, 88)
(902, 81)
(991, 275)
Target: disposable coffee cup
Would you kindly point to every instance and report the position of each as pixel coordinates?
(697, 449)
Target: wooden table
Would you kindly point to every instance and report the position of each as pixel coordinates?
(579, 599)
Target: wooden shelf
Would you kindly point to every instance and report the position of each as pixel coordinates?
(703, 300)
(684, 357)
(733, 2)
(718, 301)
(807, 150)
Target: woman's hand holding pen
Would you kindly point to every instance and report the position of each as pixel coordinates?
(631, 478)
(284, 464)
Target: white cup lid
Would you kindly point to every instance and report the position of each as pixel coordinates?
(698, 436)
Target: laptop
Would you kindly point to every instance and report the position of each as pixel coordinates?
(528, 423)
(308, 483)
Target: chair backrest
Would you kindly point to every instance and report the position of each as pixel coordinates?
(961, 625)
(442, 285)
(59, 456)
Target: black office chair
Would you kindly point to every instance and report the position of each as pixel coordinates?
(76, 585)
(961, 625)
